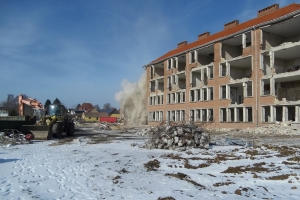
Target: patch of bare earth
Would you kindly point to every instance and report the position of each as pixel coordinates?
(62, 141)
(223, 183)
(185, 177)
(208, 161)
(166, 198)
(242, 190)
(257, 167)
(99, 140)
(152, 165)
(279, 177)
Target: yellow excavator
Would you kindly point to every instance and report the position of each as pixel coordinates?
(58, 120)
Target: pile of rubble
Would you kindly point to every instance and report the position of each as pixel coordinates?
(103, 126)
(13, 137)
(279, 128)
(177, 137)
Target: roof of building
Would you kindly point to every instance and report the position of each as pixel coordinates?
(258, 21)
(91, 114)
(109, 110)
(3, 108)
(79, 111)
(86, 107)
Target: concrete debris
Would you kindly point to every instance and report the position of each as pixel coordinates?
(103, 126)
(178, 137)
(10, 137)
(109, 126)
(279, 128)
(231, 141)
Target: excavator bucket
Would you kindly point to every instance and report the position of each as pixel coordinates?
(40, 132)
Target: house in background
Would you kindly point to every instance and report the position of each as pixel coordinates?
(112, 112)
(78, 114)
(86, 107)
(93, 116)
(3, 112)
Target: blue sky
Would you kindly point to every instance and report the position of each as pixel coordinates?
(80, 50)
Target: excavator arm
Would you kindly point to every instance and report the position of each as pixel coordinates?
(35, 104)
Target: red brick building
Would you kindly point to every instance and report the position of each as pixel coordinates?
(244, 76)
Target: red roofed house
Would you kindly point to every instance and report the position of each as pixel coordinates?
(244, 76)
(87, 107)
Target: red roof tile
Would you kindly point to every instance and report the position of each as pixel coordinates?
(248, 24)
(86, 107)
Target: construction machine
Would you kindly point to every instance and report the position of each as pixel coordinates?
(32, 104)
(57, 121)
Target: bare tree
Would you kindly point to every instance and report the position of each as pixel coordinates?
(97, 107)
(106, 105)
(57, 102)
(11, 104)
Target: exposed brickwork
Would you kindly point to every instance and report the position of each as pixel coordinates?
(247, 53)
(267, 10)
(248, 24)
(203, 35)
(182, 44)
(231, 24)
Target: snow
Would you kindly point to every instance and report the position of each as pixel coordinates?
(113, 167)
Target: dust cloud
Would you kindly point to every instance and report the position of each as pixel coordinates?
(132, 98)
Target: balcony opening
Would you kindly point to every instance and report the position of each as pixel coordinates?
(287, 60)
(205, 73)
(181, 81)
(280, 33)
(181, 62)
(231, 115)
(169, 98)
(192, 57)
(192, 115)
(211, 89)
(152, 86)
(291, 113)
(240, 114)
(205, 55)
(210, 115)
(241, 68)
(266, 64)
(160, 85)
(192, 96)
(223, 92)
(158, 70)
(169, 64)
(266, 112)
(232, 48)
(249, 89)
(236, 93)
(278, 110)
(249, 114)
(197, 115)
(196, 78)
(288, 91)
(204, 115)
(223, 115)
(205, 96)
(211, 72)
(265, 86)
(223, 69)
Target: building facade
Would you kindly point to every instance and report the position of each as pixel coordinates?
(247, 75)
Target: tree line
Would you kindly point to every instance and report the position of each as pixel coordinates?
(11, 104)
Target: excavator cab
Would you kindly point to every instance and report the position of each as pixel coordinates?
(57, 110)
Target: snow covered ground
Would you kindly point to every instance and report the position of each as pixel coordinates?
(111, 165)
